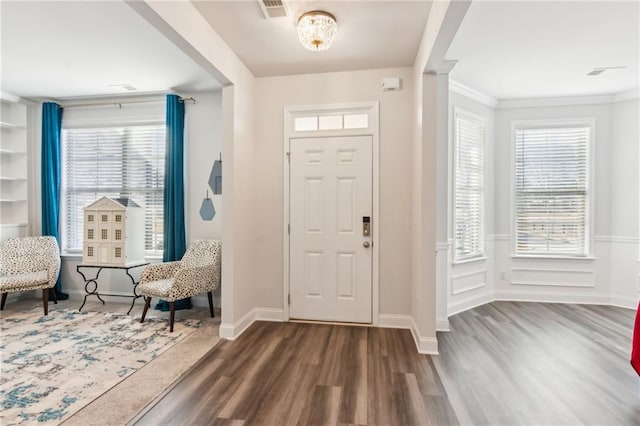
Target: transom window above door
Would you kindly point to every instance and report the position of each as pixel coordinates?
(330, 122)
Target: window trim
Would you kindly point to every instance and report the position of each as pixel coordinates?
(589, 122)
(90, 123)
(470, 116)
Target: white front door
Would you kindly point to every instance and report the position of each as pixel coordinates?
(331, 190)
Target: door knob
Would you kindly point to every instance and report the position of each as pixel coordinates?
(366, 244)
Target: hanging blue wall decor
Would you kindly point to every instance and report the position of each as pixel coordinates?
(215, 178)
(207, 211)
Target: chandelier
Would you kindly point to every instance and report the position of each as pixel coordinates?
(316, 30)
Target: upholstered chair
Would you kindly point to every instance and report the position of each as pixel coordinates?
(29, 263)
(198, 272)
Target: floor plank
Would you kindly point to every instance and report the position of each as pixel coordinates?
(536, 363)
(290, 373)
(505, 363)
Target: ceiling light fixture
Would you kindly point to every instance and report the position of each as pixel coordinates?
(317, 29)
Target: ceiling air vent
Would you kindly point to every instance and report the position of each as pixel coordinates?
(598, 71)
(273, 8)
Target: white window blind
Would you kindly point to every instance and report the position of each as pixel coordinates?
(469, 187)
(114, 162)
(551, 190)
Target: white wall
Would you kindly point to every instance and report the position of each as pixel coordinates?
(275, 93)
(203, 143)
(181, 23)
(424, 184)
(625, 212)
(611, 274)
(587, 280)
(203, 136)
(471, 283)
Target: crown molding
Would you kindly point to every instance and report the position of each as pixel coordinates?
(560, 101)
(494, 103)
(627, 96)
(473, 94)
(9, 97)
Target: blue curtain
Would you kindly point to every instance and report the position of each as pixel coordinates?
(174, 223)
(50, 175)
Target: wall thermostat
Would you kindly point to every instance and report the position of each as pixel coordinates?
(390, 83)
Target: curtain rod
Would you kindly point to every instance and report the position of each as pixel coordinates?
(119, 104)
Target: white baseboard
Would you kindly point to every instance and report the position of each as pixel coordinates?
(269, 314)
(394, 321)
(442, 324)
(233, 331)
(425, 345)
(555, 297)
(23, 295)
(624, 302)
(470, 302)
(76, 294)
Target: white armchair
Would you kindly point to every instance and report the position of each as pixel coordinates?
(29, 263)
(198, 272)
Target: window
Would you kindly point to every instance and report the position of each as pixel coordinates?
(469, 186)
(118, 218)
(551, 189)
(118, 234)
(114, 162)
(331, 122)
(90, 234)
(90, 251)
(104, 234)
(90, 218)
(118, 251)
(104, 217)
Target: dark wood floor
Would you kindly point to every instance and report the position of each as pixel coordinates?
(502, 364)
(290, 373)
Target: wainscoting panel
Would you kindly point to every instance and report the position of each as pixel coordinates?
(552, 277)
(468, 281)
(610, 276)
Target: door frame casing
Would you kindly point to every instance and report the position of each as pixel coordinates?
(372, 109)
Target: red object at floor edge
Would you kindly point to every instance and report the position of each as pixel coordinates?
(635, 345)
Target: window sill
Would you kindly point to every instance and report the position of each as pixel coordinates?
(472, 260)
(551, 257)
(71, 256)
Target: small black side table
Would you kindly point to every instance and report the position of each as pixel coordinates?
(94, 282)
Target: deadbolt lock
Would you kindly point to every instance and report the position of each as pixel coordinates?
(366, 226)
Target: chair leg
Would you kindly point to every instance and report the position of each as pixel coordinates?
(147, 302)
(4, 299)
(45, 300)
(53, 293)
(210, 297)
(172, 315)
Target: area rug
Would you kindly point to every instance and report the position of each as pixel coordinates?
(54, 365)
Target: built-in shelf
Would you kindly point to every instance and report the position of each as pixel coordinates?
(14, 204)
(5, 125)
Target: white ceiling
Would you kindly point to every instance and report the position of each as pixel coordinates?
(56, 49)
(371, 34)
(512, 50)
(506, 49)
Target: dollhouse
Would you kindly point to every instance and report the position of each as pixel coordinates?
(113, 232)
